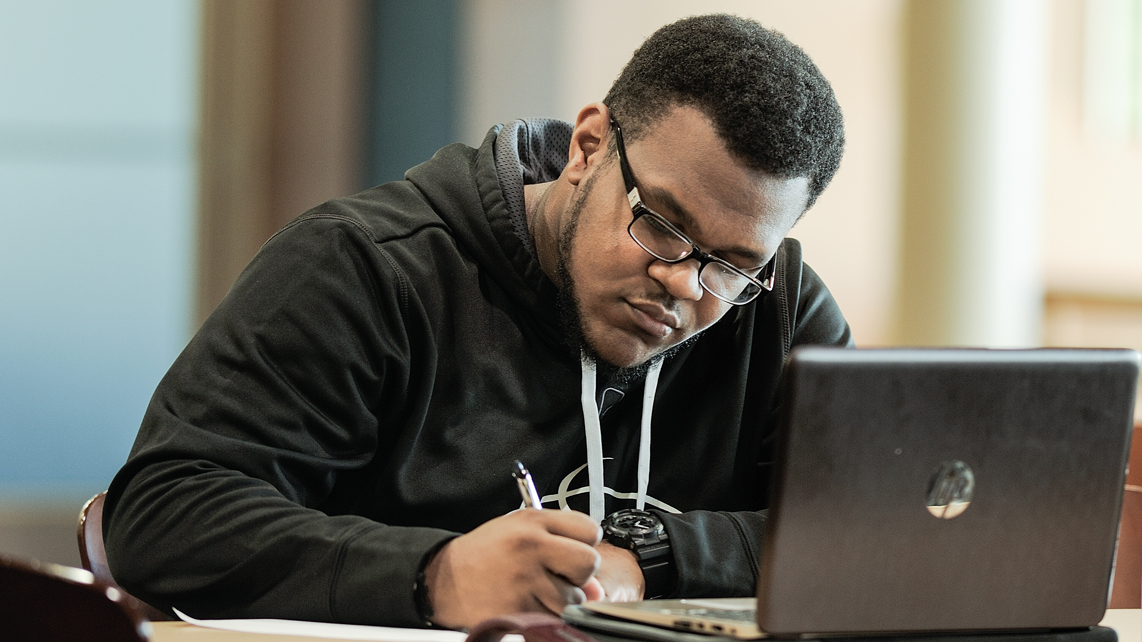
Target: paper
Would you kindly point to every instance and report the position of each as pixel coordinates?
(1127, 623)
(326, 630)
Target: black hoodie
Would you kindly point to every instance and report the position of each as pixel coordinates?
(359, 396)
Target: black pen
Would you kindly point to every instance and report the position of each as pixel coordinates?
(526, 486)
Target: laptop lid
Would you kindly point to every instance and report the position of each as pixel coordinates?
(946, 490)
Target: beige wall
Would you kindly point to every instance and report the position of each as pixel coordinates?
(1093, 217)
(505, 78)
(33, 528)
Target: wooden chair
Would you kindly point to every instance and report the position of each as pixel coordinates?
(93, 555)
(50, 603)
(1127, 590)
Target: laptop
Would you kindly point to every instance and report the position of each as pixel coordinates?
(932, 490)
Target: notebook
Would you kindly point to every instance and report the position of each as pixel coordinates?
(934, 490)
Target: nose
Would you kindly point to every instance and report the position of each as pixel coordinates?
(679, 279)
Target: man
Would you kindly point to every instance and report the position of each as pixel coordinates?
(336, 441)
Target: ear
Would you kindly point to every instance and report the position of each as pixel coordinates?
(588, 141)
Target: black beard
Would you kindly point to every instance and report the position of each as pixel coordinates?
(571, 321)
(572, 325)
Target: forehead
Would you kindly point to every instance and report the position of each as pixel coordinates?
(683, 170)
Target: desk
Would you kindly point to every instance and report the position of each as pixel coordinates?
(1127, 622)
(183, 632)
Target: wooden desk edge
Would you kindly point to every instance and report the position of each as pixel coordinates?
(1127, 622)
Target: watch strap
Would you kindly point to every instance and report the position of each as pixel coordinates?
(657, 563)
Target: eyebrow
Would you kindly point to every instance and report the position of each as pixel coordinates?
(670, 203)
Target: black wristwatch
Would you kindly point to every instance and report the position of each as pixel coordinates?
(643, 534)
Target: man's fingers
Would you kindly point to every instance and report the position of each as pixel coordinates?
(526, 560)
(574, 561)
(557, 593)
(570, 553)
(568, 523)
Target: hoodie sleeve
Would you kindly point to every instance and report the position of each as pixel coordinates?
(716, 553)
(284, 392)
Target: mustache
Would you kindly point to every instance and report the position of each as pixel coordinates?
(660, 297)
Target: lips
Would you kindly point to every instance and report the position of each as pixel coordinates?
(654, 319)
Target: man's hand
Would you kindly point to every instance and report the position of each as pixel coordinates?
(619, 573)
(527, 560)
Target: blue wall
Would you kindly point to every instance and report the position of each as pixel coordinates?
(97, 113)
(413, 96)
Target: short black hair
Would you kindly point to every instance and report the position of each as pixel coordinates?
(767, 100)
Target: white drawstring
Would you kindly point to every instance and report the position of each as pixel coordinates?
(594, 439)
(648, 391)
(594, 434)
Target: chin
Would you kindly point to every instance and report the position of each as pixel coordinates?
(618, 358)
(626, 352)
(628, 362)
(629, 358)
(618, 349)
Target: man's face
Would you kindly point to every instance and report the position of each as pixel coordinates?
(632, 307)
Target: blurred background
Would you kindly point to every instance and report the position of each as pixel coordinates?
(990, 194)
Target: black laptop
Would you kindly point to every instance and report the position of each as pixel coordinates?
(933, 490)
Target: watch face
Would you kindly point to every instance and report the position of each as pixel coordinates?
(637, 524)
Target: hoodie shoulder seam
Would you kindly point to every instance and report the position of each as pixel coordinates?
(402, 278)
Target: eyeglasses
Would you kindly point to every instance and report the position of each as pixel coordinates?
(667, 243)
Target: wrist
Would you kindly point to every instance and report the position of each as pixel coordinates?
(620, 573)
(644, 536)
(425, 578)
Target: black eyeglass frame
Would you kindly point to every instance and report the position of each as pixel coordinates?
(768, 274)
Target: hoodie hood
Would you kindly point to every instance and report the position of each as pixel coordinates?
(459, 179)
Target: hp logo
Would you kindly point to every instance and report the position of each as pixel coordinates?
(949, 489)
